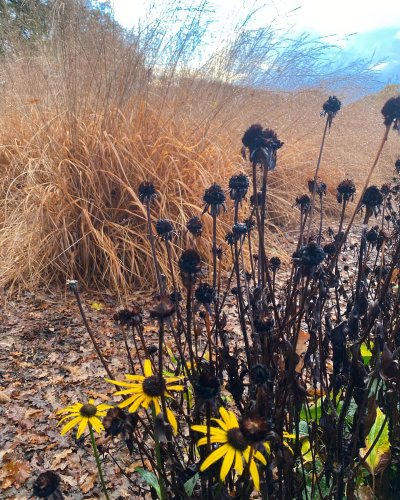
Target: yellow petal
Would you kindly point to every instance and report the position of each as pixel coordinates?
(214, 431)
(147, 370)
(129, 401)
(131, 390)
(156, 404)
(213, 439)
(260, 457)
(221, 423)
(70, 409)
(72, 423)
(238, 463)
(96, 424)
(172, 420)
(225, 417)
(255, 475)
(267, 447)
(76, 414)
(137, 403)
(227, 463)
(146, 402)
(124, 384)
(168, 380)
(82, 427)
(103, 407)
(176, 388)
(214, 456)
(139, 378)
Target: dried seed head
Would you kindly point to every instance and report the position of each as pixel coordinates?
(391, 112)
(190, 262)
(372, 197)
(258, 199)
(250, 223)
(214, 199)
(263, 322)
(330, 248)
(165, 229)
(118, 421)
(397, 166)
(386, 189)
(239, 229)
(129, 316)
(162, 308)
(230, 238)
(46, 484)
(331, 106)
(319, 186)
(259, 374)
(207, 386)
(310, 255)
(205, 294)
(275, 263)
(261, 143)
(238, 186)
(153, 387)
(303, 202)
(346, 190)
(176, 297)
(237, 439)
(147, 192)
(195, 226)
(254, 429)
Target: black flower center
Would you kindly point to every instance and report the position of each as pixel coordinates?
(88, 410)
(152, 386)
(236, 439)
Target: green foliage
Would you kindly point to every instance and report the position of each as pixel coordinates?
(379, 457)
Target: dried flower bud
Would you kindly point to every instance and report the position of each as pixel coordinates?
(165, 229)
(207, 386)
(147, 192)
(205, 294)
(46, 484)
(162, 308)
(129, 316)
(230, 238)
(372, 234)
(303, 202)
(372, 198)
(176, 297)
(190, 262)
(195, 226)
(238, 186)
(310, 255)
(346, 190)
(214, 199)
(385, 189)
(262, 145)
(330, 108)
(330, 248)
(275, 263)
(118, 421)
(239, 229)
(391, 112)
(259, 374)
(254, 429)
(319, 186)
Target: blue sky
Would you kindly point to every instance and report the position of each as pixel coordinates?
(361, 28)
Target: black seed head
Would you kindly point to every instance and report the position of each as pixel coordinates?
(205, 294)
(238, 186)
(330, 248)
(195, 226)
(190, 262)
(147, 192)
(391, 112)
(162, 308)
(346, 190)
(310, 255)
(397, 166)
(165, 229)
(214, 199)
(331, 106)
(152, 386)
(303, 202)
(275, 263)
(254, 429)
(372, 197)
(319, 186)
(239, 229)
(207, 386)
(259, 374)
(230, 238)
(46, 484)
(129, 316)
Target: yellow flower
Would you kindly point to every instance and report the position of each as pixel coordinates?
(234, 447)
(83, 415)
(146, 389)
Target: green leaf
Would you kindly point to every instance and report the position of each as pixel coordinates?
(190, 484)
(379, 457)
(150, 478)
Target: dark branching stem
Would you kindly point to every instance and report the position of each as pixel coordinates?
(153, 250)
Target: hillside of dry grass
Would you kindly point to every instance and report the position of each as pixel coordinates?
(83, 123)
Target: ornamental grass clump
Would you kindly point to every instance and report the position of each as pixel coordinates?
(271, 378)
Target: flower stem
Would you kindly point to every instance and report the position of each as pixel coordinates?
(158, 458)
(98, 463)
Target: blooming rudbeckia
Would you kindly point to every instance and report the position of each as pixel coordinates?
(83, 415)
(234, 447)
(146, 389)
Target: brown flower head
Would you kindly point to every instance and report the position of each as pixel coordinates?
(330, 248)
(129, 316)
(190, 262)
(254, 429)
(262, 145)
(391, 112)
(195, 226)
(207, 386)
(147, 192)
(119, 422)
(372, 199)
(46, 484)
(311, 255)
(385, 189)
(162, 308)
(275, 263)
